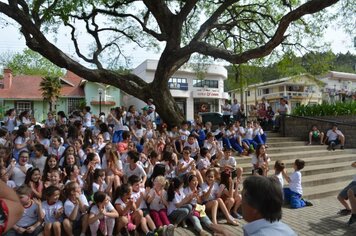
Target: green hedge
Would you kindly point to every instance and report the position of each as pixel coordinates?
(325, 109)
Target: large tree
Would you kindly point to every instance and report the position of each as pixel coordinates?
(232, 30)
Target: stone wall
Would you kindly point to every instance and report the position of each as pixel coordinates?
(299, 127)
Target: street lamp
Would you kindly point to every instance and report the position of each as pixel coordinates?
(100, 93)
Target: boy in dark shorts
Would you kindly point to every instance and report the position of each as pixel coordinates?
(343, 197)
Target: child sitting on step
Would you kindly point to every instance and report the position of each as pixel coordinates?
(293, 194)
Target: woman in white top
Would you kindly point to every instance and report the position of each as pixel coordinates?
(112, 165)
(132, 116)
(18, 174)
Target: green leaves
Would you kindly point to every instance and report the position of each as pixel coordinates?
(326, 109)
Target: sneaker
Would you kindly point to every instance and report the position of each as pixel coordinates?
(184, 224)
(344, 212)
(164, 230)
(307, 203)
(150, 233)
(170, 230)
(236, 215)
(352, 220)
(333, 146)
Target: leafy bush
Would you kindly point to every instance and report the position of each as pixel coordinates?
(326, 109)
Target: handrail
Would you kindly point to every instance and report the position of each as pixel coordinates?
(324, 120)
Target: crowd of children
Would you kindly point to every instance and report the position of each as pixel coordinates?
(122, 173)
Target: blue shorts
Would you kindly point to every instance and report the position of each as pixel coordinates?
(343, 192)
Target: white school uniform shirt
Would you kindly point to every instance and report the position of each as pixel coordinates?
(295, 183)
(258, 131)
(333, 135)
(187, 191)
(138, 171)
(50, 123)
(214, 191)
(11, 123)
(57, 152)
(149, 134)
(39, 162)
(184, 134)
(230, 134)
(178, 197)
(108, 208)
(11, 184)
(45, 142)
(87, 120)
(104, 165)
(50, 211)
(121, 204)
(194, 147)
(259, 160)
(249, 133)
(69, 206)
(230, 161)
(235, 108)
(226, 109)
(139, 133)
(96, 187)
(203, 163)
(136, 195)
(209, 146)
(18, 176)
(280, 179)
(185, 164)
(29, 216)
(21, 140)
(157, 203)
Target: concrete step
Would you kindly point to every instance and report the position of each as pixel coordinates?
(343, 157)
(281, 139)
(296, 147)
(298, 154)
(328, 178)
(285, 144)
(272, 134)
(326, 190)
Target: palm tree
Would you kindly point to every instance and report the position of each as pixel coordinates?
(51, 90)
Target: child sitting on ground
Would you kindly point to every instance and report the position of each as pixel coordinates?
(278, 171)
(315, 134)
(31, 221)
(293, 194)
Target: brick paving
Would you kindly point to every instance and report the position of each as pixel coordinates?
(320, 219)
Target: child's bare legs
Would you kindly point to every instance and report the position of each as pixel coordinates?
(237, 202)
(321, 137)
(352, 199)
(57, 228)
(121, 223)
(137, 218)
(229, 203)
(226, 213)
(213, 207)
(343, 202)
(342, 139)
(150, 223)
(67, 225)
(85, 223)
(310, 137)
(47, 229)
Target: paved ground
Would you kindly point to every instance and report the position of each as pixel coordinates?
(320, 219)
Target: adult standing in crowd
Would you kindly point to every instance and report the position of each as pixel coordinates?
(226, 110)
(235, 109)
(262, 202)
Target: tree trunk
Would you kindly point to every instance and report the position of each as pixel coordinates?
(167, 108)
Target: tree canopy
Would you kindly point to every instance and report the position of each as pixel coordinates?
(30, 63)
(231, 30)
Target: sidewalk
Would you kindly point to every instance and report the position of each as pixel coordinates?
(320, 219)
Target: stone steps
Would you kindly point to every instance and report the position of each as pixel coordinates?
(325, 173)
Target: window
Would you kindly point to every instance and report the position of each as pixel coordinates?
(74, 104)
(177, 80)
(266, 91)
(21, 106)
(205, 83)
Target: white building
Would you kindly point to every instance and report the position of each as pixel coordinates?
(189, 91)
(339, 86)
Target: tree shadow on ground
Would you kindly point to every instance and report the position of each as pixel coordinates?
(332, 225)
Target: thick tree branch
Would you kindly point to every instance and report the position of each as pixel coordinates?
(309, 7)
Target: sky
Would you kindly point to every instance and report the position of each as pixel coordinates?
(11, 41)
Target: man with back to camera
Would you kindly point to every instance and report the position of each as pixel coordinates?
(262, 207)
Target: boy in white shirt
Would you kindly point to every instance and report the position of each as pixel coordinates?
(293, 194)
(32, 218)
(194, 146)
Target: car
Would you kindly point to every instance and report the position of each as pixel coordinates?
(214, 117)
